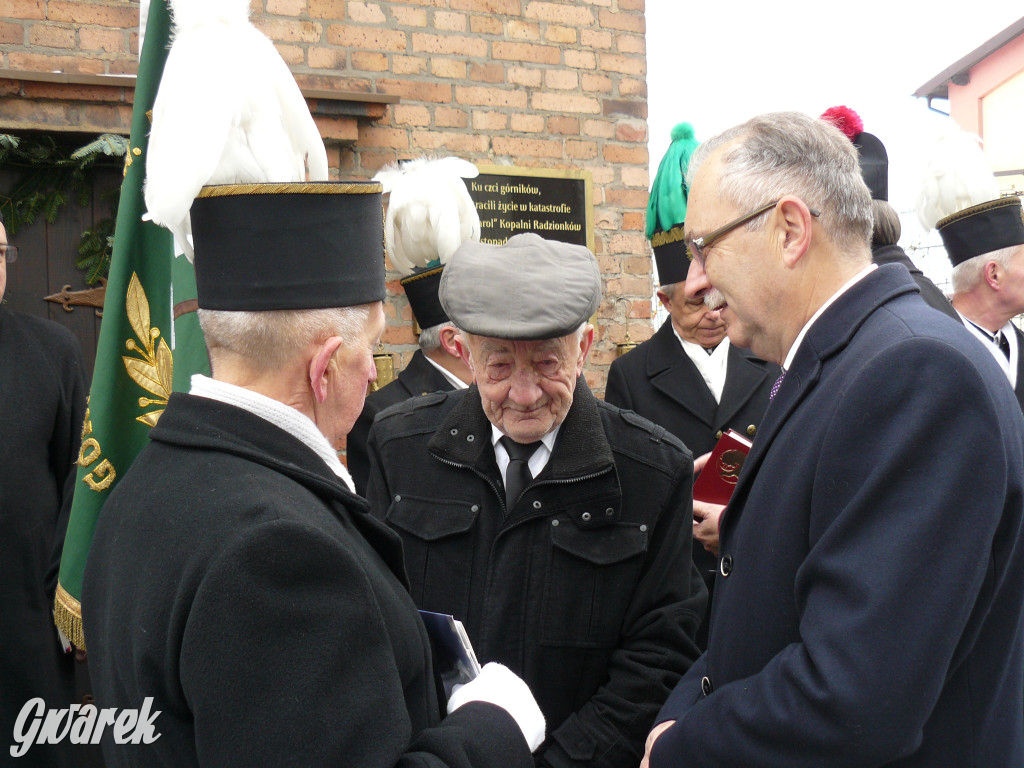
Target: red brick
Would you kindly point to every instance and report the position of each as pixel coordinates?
(451, 69)
(409, 17)
(563, 125)
(485, 25)
(631, 44)
(365, 13)
(338, 128)
(440, 93)
(626, 155)
(596, 83)
(10, 88)
(515, 147)
(527, 123)
(627, 65)
(540, 54)
(51, 36)
(627, 198)
(581, 150)
(524, 76)
(595, 38)
(561, 35)
(411, 114)
(367, 38)
(369, 61)
(451, 45)
(291, 8)
(598, 129)
(38, 62)
(517, 29)
(490, 97)
(612, 107)
(383, 138)
(629, 22)
(23, 9)
(581, 59)
(507, 7)
(448, 117)
(561, 79)
(374, 161)
(486, 72)
(408, 65)
(631, 131)
(62, 92)
(564, 102)
(326, 58)
(631, 220)
(331, 10)
(120, 16)
(560, 13)
(629, 86)
(450, 22)
(287, 31)
(11, 34)
(489, 121)
(459, 143)
(293, 55)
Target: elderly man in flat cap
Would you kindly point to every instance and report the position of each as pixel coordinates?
(985, 244)
(237, 589)
(556, 527)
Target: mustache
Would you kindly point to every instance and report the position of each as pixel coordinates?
(714, 299)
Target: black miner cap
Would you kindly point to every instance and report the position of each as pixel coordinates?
(299, 245)
(982, 229)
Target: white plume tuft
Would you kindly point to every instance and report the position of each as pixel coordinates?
(228, 110)
(430, 213)
(956, 176)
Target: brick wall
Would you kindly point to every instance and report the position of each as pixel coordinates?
(536, 83)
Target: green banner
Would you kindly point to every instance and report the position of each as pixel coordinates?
(149, 342)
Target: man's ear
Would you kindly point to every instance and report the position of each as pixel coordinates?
(449, 341)
(795, 221)
(586, 342)
(319, 366)
(666, 302)
(462, 347)
(992, 275)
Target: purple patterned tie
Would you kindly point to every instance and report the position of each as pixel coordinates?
(775, 386)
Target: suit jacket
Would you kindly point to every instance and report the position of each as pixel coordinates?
(933, 297)
(238, 582)
(418, 378)
(1019, 389)
(872, 573)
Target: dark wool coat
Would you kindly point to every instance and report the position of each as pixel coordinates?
(933, 297)
(418, 378)
(42, 407)
(585, 587)
(870, 605)
(235, 580)
(660, 382)
(1019, 389)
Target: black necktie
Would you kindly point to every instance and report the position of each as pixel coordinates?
(518, 474)
(1003, 343)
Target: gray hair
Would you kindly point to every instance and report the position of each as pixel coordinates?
(887, 229)
(430, 338)
(967, 274)
(670, 289)
(270, 339)
(789, 153)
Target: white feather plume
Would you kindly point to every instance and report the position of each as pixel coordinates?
(956, 176)
(430, 212)
(228, 110)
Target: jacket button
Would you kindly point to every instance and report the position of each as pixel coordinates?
(585, 517)
(752, 430)
(718, 435)
(470, 438)
(475, 508)
(705, 686)
(643, 529)
(538, 505)
(609, 512)
(554, 523)
(398, 497)
(726, 565)
(454, 431)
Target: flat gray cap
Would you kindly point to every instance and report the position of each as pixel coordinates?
(527, 289)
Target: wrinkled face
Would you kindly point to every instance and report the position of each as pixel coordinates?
(351, 371)
(526, 386)
(3, 263)
(693, 320)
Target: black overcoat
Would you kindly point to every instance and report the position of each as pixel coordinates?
(585, 587)
(870, 605)
(933, 297)
(42, 407)
(237, 581)
(418, 378)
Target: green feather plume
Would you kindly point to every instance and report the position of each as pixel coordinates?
(666, 206)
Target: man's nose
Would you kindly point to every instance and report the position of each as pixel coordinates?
(524, 389)
(697, 283)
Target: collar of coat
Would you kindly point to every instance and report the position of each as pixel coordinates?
(204, 424)
(581, 448)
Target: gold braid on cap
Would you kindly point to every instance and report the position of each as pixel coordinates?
(1002, 202)
(673, 235)
(296, 188)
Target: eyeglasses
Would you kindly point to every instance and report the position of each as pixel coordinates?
(9, 252)
(697, 247)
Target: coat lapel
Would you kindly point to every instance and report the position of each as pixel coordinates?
(743, 379)
(673, 374)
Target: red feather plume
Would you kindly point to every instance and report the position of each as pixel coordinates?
(845, 119)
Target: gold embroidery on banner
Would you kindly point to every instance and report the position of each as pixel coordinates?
(154, 368)
(128, 159)
(104, 474)
(68, 617)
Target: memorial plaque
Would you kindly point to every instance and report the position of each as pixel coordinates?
(557, 204)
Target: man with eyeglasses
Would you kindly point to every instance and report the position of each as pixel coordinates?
(42, 407)
(855, 622)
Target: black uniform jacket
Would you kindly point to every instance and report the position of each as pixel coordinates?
(1019, 389)
(585, 587)
(418, 378)
(659, 381)
(42, 406)
(234, 579)
(872, 558)
(933, 297)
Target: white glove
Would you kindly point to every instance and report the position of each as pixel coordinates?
(499, 685)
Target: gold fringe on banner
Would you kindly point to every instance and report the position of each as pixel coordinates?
(67, 615)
